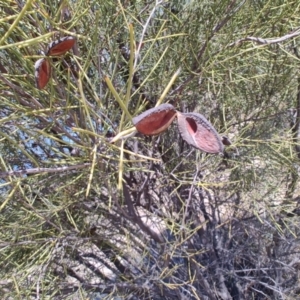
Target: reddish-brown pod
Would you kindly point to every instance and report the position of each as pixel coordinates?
(155, 120)
(199, 133)
(226, 141)
(61, 46)
(42, 72)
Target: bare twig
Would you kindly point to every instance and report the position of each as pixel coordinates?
(144, 32)
(43, 170)
(137, 218)
(296, 125)
(262, 41)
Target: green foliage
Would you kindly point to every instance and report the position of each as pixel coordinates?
(149, 217)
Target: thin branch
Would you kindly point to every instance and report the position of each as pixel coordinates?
(230, 11)
(188, 201)
(296, 125)
(217, 28)
(21, 92)
(136, 218)
(157, 3)
(262, 41)
(43, 170)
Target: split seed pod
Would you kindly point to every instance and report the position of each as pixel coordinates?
(61, 46)
(42, 72)
(199, 133)
(155, 120)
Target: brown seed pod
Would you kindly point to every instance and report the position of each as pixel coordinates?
(61, 46)
(42, 72)
(199, 133)
(226, 141)
(155, 120)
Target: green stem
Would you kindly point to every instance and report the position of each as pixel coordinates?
(14, 24)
